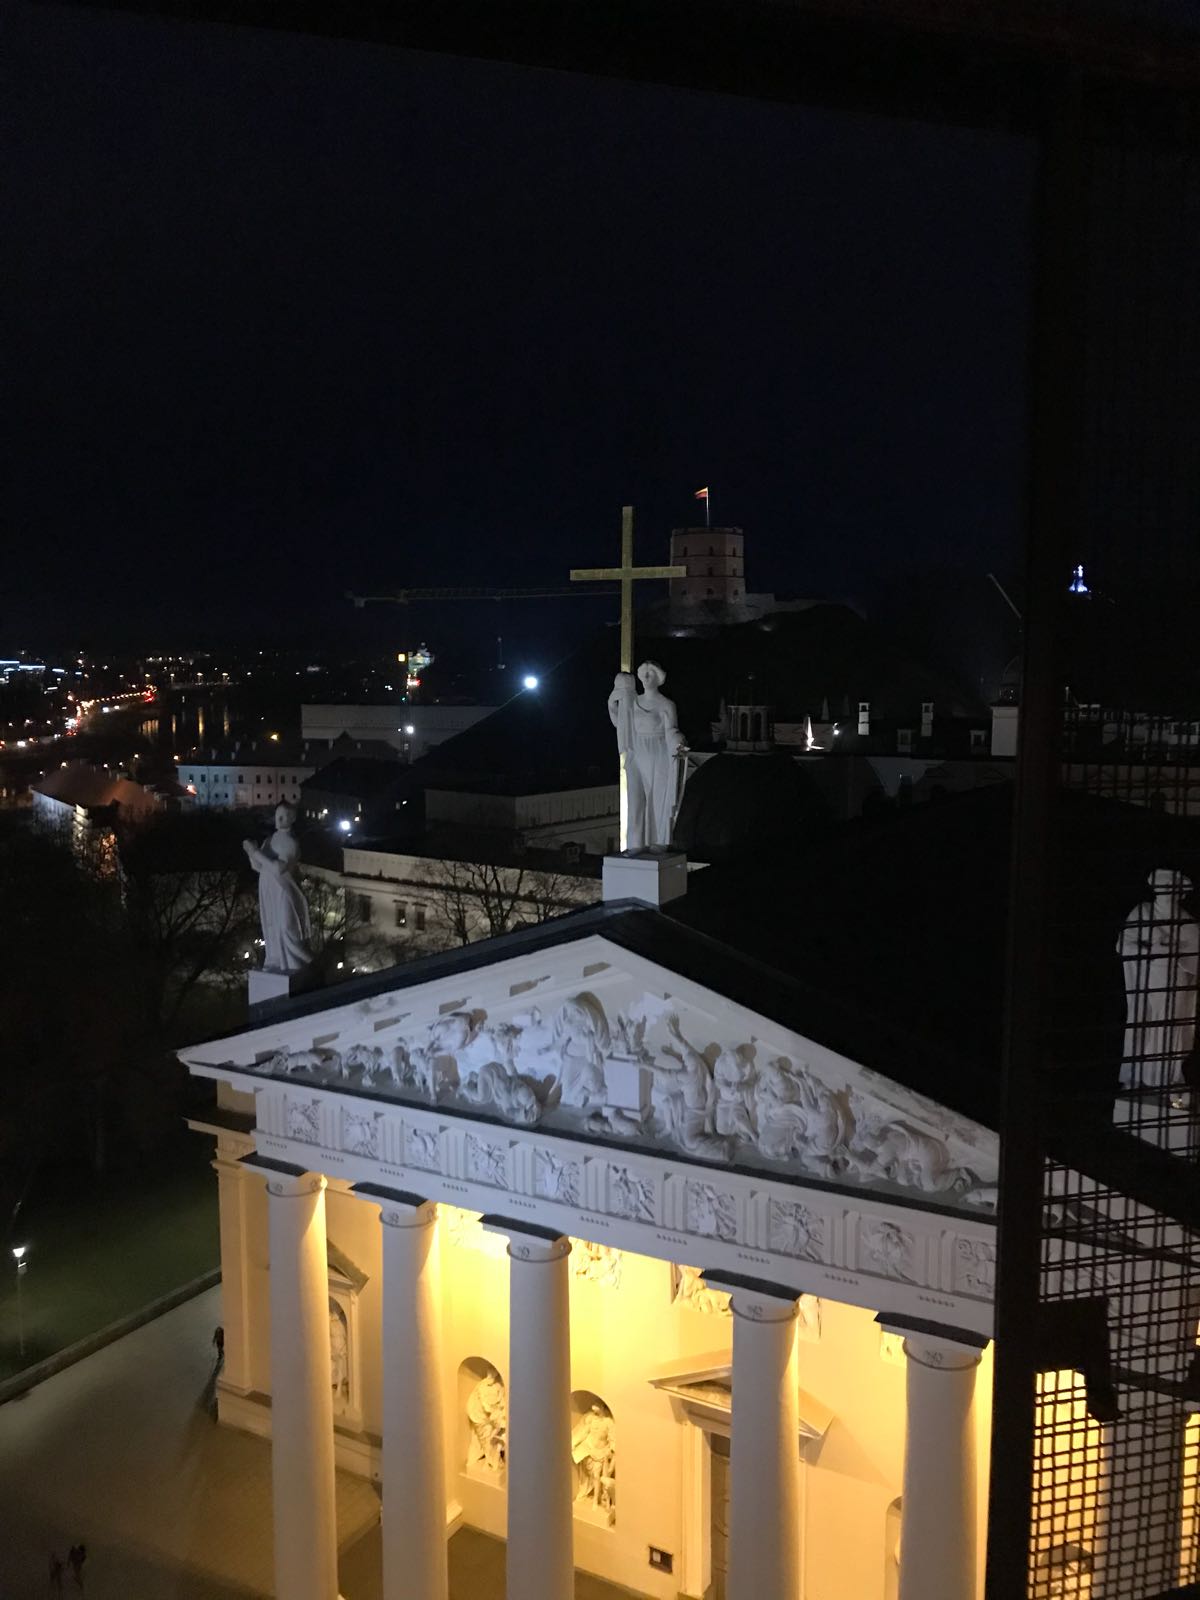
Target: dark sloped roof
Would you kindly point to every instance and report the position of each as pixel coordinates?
(901, 926)
(737, 805)
(358, 776)
(886, 944)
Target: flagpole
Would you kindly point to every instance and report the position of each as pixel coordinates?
(708, 508)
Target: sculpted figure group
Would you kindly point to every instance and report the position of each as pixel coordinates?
(718, 1103)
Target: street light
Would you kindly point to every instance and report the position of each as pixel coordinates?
(529, 681)
(18, 1251)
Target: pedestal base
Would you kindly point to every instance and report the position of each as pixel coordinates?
(264, 987)
(654, 876)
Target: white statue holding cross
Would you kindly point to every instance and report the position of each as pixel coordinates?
(651, 748)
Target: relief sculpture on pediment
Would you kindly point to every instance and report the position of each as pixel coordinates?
(646, 1076)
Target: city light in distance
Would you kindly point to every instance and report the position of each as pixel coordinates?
(345, 824)
(18, 1251)
(529, 681)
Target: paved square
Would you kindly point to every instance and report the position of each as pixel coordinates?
(118, 1452)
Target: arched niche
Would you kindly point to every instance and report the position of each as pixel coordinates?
(594, 1458)
(482, 1420)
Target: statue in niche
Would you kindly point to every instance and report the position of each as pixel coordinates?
(689, 1289)
(649, 738)
(594, 1453)
(487, 1413)
(339, 1356)
(282, 908)
(1160, 947)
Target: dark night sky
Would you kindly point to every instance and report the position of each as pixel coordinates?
(291, 316)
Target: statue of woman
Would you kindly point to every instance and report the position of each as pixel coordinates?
(658, 749)
(282, 908)
(621, 703)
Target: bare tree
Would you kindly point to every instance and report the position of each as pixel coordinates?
(482, 899)
(189, 909)
(342, 932)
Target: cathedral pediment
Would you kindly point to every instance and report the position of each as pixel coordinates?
(588, 1039)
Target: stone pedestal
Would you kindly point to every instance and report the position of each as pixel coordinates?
(764, 1500)
(302, 1473)
(653, 876)
(267, 986)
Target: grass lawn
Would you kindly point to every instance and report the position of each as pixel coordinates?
(100, 1251)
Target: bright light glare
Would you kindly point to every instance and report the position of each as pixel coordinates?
(345, 825)
(409, 729)
(19, 1250)
(529, 681)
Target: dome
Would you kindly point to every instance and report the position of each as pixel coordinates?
(740, 804)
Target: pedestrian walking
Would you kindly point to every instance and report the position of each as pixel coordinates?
(56, 1572)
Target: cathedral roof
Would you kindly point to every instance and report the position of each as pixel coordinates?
(886, 945)
(738, 805)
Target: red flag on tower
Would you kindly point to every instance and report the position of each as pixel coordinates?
(700, 494)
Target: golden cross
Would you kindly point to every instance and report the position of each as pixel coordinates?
(627, 574)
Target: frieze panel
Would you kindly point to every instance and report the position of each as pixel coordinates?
(888, 1250)
(710, 1212)
(630, 1195)
(304, 1120)
(361, 1132)
(973, 1270)
(422, 1148)
(487, 1161)
(795, 1229)
(555, 1178)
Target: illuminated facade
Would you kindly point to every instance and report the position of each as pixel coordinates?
(673, 1351)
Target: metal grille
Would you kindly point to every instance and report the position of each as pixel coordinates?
(1099, 1282)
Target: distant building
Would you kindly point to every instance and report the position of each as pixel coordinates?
(261, 775)
(436, 897)
(357, 796)
(85, 803)
(411, 730)
(513, 808)
(715, 564)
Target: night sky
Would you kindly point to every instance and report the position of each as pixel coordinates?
(291, 316)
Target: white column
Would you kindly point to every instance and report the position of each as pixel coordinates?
(235, 1299)
(414, 1467)
(937, 1510)
(764, 1467)
(302, 1484)
(541, 1563)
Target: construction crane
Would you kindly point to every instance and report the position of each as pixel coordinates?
(404, 597)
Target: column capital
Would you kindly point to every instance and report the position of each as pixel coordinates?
(933, 1344)
(398, 1208)
(755, 1299)
(527, 1241)
(284, 1180)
